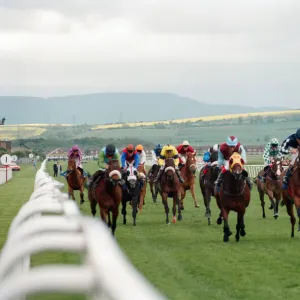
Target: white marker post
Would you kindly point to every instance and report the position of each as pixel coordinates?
(6, 159)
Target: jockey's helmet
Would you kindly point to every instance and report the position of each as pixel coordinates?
(158, 147)
(215, 147)
(169, 147)
(298, 134)
(232, 141)
(185, 143)
(75, 148)
(110, 149)
(130, 148)
(139, 148)
(274, 142)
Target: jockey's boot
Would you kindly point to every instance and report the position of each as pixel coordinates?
(249, 183)
(180, 165)
(285, 181)
(178, 174)
(158, 175)
(219, 180)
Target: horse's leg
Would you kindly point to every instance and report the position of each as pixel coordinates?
(142, 198)
(165, 203)
(124, 212)
(207, 200)
(219, 220)
(155, 191)
(179, 207)
(240, 224)
(109, 220)
(277, 197)
(290, 210)
(135, 200)
(93, 204)
(298, 213)
(227, 232)
(262, 201)
(182, 196)
(82, 194)
(103, 215)
(115, 214)
(151, 190)
(174, 209)
(193, 192)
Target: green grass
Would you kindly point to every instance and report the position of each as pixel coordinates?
(188, 260)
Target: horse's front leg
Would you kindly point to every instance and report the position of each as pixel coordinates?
(115, 214)
(82, 195)
(277, 197)
(176, 201)
(165, 203)
(240, 227)
(93, 204)
(262, 201)
(193, 192)
(124, 212)
(134, 202)
(207, 200)
(181, 194)
(226, 230)
(298, 213)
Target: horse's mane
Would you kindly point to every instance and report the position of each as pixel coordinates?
(214, 156)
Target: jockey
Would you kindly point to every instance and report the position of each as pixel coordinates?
(225, 151)
(272, 149)
(129, 155)
(292, 141)
(209, 156)
(76, 153)
(142, 155)
(168, 151)
(183, 149)
(155, 157)
(105, 156)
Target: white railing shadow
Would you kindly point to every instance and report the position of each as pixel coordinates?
(104, 272)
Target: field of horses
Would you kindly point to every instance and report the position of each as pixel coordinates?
(188, 260)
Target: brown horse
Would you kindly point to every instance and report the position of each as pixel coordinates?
(207, 186)
(75, 180)
(107, 191)
(142, 175)
(234, 195)
(153, 186)
(292, 195)
(188, 173)
(272, 187)
(169, 186)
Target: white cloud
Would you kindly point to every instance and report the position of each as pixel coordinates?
(43, 38)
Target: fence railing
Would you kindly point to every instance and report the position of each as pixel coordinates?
(104, 273)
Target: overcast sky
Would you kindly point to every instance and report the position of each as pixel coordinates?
(214, 51)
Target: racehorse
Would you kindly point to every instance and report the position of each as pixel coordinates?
(108, 193)
(292, 195)
(169, 186)
(131, 192)
(272, 187)
(153, 186)
(142, 175)
(207, 183)
(187, 172)
(234, 195)
(75, 180)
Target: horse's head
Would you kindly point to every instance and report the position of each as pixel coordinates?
(236, 165)
(191, 162)
(71, 164)
(276, 166)
(131, 175)
(114, 169)
(169, 168)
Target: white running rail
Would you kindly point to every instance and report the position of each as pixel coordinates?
(105, 273)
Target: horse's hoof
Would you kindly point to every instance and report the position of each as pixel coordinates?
(168, 223)
(243, 233)
(134, 224)
(82, 201)
(219, 221)
(226, 238)
(197, 206)
(237, 238)
(271, 207)
(174, 220)
(299, 228)
(182, 207)
(229, 233)
(264, 216)
(275, 217)
(209, 221)
(179, 217)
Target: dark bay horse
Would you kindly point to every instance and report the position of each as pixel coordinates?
(292, 195)
(207, 180)
(169, 186)
(75, 180)
(188, 173)
(272, 187)
(153, 186)
(234, 195)
(142, 175)
(131, 192)
(107, 191)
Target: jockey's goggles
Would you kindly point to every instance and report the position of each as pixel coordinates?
(130, 151)
(139, 151)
